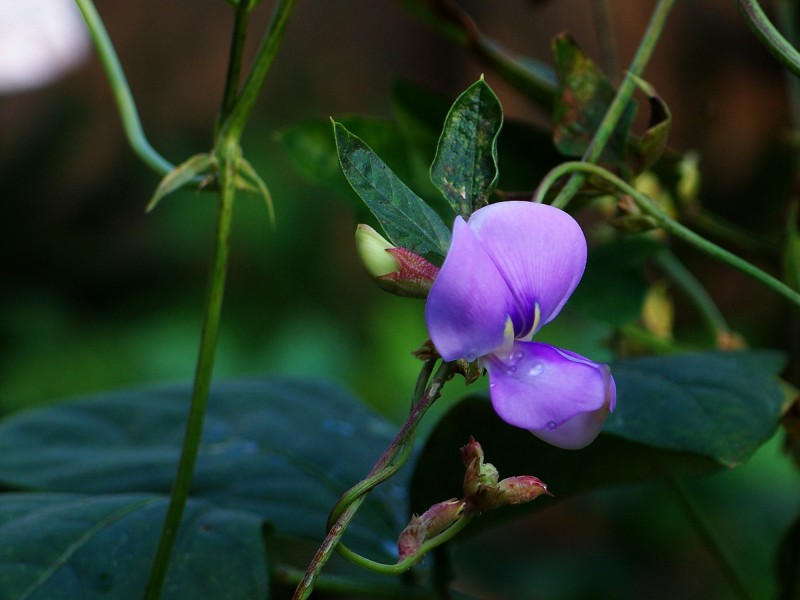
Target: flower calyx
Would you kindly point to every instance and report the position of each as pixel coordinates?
(396, 270)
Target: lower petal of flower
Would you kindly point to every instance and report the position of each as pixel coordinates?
(561, 397)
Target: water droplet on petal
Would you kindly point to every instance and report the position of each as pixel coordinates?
(551, 425)
(536, 369)
(519, 355)
(492, 384)
(511, 370)
(471, 357)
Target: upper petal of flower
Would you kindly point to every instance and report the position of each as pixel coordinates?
(539, 250)
(469, 303)
(559, 396)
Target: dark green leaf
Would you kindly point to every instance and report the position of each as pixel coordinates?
(465, 166)
(405, 217)
(63, 547)
(723, 405)
(788, 563)
(613, 286)
(312, 148)
(280, 448)
(683, 414)
(609, 460)
(584, 95)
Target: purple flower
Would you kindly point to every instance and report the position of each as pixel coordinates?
(509, 271)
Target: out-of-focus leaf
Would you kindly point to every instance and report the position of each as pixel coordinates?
(465, 166)
(199, 165)
(405, 217)
(584, 95)
(613, 286)
(283, 449)
(63, 547)
(526, 154)
(650, 146)
(311, 147)
(723, 405)
(791, 252)
(788, 563)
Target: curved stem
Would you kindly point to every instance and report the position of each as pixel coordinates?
(240, 113)
(121, 90)
(652, 209)
(774, 41)
(202, 383)
(408, 562)
(388, 464)
(621, 100)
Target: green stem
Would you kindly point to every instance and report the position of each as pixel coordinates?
(408, 562)
(652, 209)
(232, 77)
(621, 100)
(121, 90)
(388, 464)
(693, 290)
(337, 584)
(240, 113)
(202, 382)
(766, 32)
(706, 533)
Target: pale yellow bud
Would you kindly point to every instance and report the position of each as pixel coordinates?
(372, 249)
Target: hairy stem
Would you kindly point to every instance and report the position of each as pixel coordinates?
(621, 100)
(121, 90)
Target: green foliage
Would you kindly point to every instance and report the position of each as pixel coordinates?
(682, 414)
(465, 167)
(266, 449)
(584, 96)
(407, 219)
(67, 546)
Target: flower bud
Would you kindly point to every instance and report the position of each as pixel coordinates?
(521, 489)
(395, 270)
(428, 525)
(372, 249)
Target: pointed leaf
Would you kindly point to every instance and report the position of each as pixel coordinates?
(653, 142)
(719, 404)
(584, 95)
(250, 176)
(465, 166)
(62, 547)
(405, 217)
(268, 448)
(198, 165)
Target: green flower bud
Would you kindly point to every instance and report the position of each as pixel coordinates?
(373, 248)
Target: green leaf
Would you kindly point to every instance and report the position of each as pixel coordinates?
(281, 448)
(465, 166)
(405, 217)
(613, 286)
(609, 460)
(682, 414)
(197, 165)
(63, 547)
(723, 405)
(312, 148)
(651, 145)
(583, 98)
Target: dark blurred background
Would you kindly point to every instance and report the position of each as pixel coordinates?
(97, 295)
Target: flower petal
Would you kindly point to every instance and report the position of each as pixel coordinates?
(540, 252)
(561, 397)
(469, 302)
